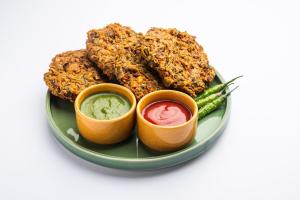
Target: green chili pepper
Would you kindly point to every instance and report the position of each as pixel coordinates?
(210, 98)
(202, 102)
(215, 89)
(208, 108)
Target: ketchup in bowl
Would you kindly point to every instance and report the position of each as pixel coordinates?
(166, 113)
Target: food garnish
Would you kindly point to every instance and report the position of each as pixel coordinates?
(216, 88)
(214, 104)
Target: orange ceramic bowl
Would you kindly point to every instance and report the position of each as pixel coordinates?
(166, 138)
(105, 131)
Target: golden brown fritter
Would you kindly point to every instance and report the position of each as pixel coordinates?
(116, 51)
(71, 72)
(179, 60)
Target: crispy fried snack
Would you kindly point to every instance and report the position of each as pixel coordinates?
(71, 72)
(116, 51)
(179, 60)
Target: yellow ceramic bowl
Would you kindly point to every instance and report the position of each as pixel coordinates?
(166, 138)
(105, 131)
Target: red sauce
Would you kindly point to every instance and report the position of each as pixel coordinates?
(166, 113)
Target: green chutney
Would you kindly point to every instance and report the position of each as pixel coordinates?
(105, 106)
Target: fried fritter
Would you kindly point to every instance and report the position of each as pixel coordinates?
(71, 72)
(179, 60)
(116, 51)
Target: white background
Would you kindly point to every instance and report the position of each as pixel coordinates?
(258, 157)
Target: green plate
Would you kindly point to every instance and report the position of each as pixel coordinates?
(131, 154)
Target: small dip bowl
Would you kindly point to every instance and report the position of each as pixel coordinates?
(105, 131)
(166, 138)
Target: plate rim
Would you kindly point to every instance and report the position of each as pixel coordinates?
(156, 162)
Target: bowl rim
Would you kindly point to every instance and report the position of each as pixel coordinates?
(110, 87)
(157, 93)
